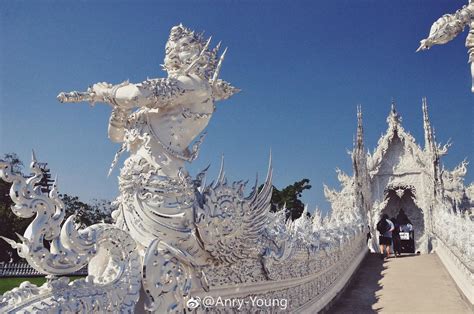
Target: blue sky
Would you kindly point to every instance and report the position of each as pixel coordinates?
(303, 66)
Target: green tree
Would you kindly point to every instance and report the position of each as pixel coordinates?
(87, 214)
(290, 196)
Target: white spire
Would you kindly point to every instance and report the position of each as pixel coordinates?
(360, 129)
(429, 140)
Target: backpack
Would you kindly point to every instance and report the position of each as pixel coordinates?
(382, 226)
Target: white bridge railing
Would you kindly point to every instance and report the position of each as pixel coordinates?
(455, 247)
(304, 278)
(23, 269)
(293, 266)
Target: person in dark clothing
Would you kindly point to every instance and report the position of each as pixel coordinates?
(397, 244)
(402, 218)
(385, 228)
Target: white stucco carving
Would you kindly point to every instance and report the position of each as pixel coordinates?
(447, 27)
(176, 238)
(113, 283)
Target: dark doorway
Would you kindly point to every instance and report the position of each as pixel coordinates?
(403, 199)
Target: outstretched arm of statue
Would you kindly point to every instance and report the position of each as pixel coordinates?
(448, 27)
(152, 93)
(123, 97)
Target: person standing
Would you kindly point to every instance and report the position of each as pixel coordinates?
(370, 244)
(385, 228)
(397, 244)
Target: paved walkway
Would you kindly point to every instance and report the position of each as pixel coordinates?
(408, 284)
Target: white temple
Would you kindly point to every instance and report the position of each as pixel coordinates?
(400, 174)
(178, 244)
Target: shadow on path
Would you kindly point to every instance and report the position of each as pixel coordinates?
(360, 295)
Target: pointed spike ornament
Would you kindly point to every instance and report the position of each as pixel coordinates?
(253, 195)
(12, 243)
(21, 237)
(270, 168)
(218, 68)
(33, 156)
(195, 61)
(216, 49)
(221, 175)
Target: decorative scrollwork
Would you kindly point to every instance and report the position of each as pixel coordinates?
(109, 251)
(229, 224)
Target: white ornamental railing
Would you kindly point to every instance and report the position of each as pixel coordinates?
(23, 269)
(303, 269)
(455, 247)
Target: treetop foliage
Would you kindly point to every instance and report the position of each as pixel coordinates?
(289, 198)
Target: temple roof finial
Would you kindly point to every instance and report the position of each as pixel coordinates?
(393, 118)
(424, 107)
(360, 129)
(429, 133)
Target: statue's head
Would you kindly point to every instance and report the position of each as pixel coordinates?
(185, 47)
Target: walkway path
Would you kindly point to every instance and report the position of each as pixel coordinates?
(408, 284)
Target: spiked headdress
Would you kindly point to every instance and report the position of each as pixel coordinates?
(204, 62)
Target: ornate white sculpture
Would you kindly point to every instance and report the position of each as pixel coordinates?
(176, 239)
(113, 283)
(399, 174)
(447, 27)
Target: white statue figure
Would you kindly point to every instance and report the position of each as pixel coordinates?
(172, 113)
(176, 239)
(160, 206)
(176, 109)
(447, 27)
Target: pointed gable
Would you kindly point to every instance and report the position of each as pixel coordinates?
(396, 152)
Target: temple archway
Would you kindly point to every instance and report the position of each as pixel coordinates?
(402, 202)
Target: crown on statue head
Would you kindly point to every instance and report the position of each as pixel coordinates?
(203, 61)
